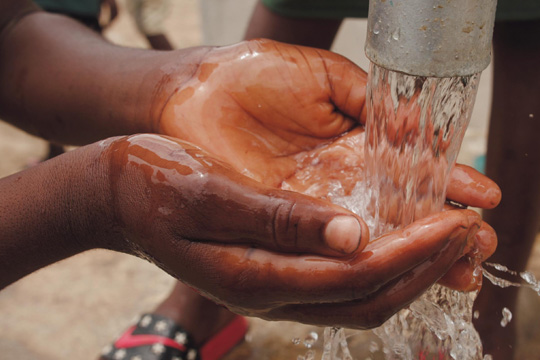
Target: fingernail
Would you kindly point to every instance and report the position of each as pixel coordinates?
(343, 234)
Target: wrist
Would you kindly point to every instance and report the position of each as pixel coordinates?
(79, 88)
(167, 73)
(52, 211)
(92, 206)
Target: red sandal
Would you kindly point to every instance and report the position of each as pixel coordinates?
(157, 337)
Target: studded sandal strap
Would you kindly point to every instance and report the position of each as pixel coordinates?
(154, 337)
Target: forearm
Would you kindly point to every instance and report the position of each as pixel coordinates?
(52, 211)
(65, 83)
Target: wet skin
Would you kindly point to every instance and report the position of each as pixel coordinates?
(275, 113)
(181, 186)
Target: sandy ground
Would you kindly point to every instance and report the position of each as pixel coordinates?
(74, 308)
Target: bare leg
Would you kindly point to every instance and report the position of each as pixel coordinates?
(159, 42)
(319, 33)
(54, 150)
(513, 161)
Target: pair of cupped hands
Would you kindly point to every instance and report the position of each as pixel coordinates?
(205, 201)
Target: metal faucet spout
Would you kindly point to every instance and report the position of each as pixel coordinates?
(439, 38)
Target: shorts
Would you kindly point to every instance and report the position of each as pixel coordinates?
(82, 8)
(507, 10)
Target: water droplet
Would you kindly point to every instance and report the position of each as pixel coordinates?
(531, 115)
(296, 341)
(310, 355)
(476, 314)
(529, 278)
(500, 267)
(376, 28)
(373, 347)
(477, 270)
(311, 339)
(396, 34)
(507, 317)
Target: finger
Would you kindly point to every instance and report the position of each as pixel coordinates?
(466, 274)
(260, 279)
(419, 239)
(485, 242)
(380, 306)
(469, 187)
(347, 85)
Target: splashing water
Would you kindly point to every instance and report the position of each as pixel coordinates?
(311, 339)
(413, 133)
(507, 317)
(335, 342)
(527, 276)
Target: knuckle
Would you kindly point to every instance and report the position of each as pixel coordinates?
(285, 226)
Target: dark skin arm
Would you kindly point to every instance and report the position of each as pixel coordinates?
(50, 78)
(42, 213)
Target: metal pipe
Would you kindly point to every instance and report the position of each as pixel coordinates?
(439, 38)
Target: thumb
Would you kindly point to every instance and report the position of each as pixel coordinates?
(171, 188)
(253, 213)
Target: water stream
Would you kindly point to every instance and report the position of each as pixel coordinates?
(413, 134)
(414, 130)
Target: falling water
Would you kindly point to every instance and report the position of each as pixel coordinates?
(414, 130)
(413, 134)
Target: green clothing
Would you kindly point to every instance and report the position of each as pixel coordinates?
(507, 10)
(319, 8)
(510, 10)
(86, 8)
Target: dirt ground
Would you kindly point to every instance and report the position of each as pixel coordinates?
(74, 308)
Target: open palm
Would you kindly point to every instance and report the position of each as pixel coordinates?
(265, 108)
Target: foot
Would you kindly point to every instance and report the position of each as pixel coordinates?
(185, 325)
(201, 317)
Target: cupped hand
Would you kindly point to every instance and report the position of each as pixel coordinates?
(290, 117)
(257, 249)
(260, 103)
